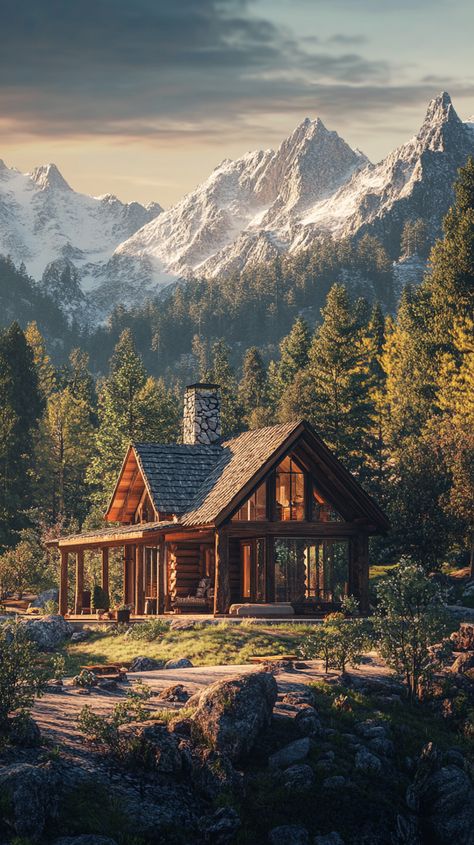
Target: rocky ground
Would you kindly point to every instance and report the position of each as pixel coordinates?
(278, 755)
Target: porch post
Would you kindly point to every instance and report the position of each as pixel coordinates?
(105, 570)
(222, 580)
(63, 583)
(160, 591)
(79, 581)
(139, 590)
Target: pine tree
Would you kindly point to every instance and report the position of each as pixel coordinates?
(333, 393)
(253, 390)
(222, 373)
(294, 351)
(21, 404)
(42, 361)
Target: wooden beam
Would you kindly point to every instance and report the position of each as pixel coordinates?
(63, 583)
(222, 580)
(105, 570)
(139, 585)
(79, 581)
(160, 579)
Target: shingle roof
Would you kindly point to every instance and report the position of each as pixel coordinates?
(97, 536)
(176, 472)
(240, 459)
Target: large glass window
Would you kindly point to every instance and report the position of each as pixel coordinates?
(321, 510)
(255, 508)
(289, 491)
(308, 569)
(246, 570)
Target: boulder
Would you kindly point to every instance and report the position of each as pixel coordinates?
(221, 827)
(180, 663)
(232, 713)
(289, 834)
(298, 697)
(213, 774)
(443, 796)
(48, 632)
(334, 782)
(463, 662)
(85, 839)
(333, 838)
(31, 797)
(307, 721)
(80, 636)
(381, 746)
(144, 664)
(365, 761)
(291, 753)
(149, 744)
(298, 778)
(465, 636)
(45, 597)
(176, 692)
(23, 731)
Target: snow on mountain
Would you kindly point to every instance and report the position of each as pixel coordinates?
(42, 220)
(95, 253)
(269, 202)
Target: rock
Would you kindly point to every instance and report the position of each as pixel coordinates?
(182, 625)
(334, 782)
(48, 632)
(463, 662)
(144, 664)
(149, 744)
(45, 597)
(180, 663)
(291, 753)
(79, 637)
(371, 730)
(194, 700)
(307, 721)
(108, 684)
(443, 795)
(232, 713)
(24, 731)
(333, 838)
(381, 746)
(30, 793)
(85, 839)
(298, 697)
(298, 778)
(365, 761)
(181, 727)
(221, 827)
(213, 774)
(289, 834)
(177, 692)
(465, 636)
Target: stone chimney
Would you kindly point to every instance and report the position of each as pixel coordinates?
(201, 423)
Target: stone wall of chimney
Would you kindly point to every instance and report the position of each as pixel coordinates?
(201, 422)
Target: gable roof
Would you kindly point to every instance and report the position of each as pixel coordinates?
(204, 485)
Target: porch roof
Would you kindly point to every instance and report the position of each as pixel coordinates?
(100, 536)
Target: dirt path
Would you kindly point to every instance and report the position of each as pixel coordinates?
(57, 713)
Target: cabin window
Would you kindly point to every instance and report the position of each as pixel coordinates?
(246, 570)
(321, 510)
(289, 491)
(145, 511)
(308, 569)
(255, 508)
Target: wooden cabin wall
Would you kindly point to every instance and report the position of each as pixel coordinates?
(234, 570)
(185, 569)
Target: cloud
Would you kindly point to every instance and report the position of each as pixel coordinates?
(134, 68)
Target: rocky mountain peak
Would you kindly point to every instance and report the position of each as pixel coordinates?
(48, 176)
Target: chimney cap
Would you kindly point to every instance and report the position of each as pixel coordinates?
(203, 385)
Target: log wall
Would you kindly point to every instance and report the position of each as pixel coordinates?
(184, 569)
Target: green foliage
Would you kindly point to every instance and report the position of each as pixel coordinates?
(21, 677)
(103, 731)
(152, 629)
(410, 618)
(337, 640)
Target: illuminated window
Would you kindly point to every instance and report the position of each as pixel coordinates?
(246, 570)
(254, 508)
(289, 492)
(322, 511)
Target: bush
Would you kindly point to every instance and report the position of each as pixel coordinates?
(103, 731)
(411, 617)
(21, 678)
(149, 631)
(100, 599)
(338, 641)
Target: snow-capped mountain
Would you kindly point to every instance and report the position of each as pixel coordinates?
(42, 221)
(268, 202)
(94, 253)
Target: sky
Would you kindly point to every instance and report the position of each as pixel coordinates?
(143, 98)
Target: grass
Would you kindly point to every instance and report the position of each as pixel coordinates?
(204, 645)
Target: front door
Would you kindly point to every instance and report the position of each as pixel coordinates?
(253, 570)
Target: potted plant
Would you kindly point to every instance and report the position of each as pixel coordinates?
(123, 613)
(100, 600)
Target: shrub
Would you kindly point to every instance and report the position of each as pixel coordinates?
(410, 618)
(338, 641)
(100, 599)
(149, 631)
(21, 678)
(103, 731)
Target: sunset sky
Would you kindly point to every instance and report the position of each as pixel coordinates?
(143, 98)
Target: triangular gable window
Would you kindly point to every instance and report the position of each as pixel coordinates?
(255, 508)
(321, 510)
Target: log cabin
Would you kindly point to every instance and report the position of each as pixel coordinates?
(268, 522)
